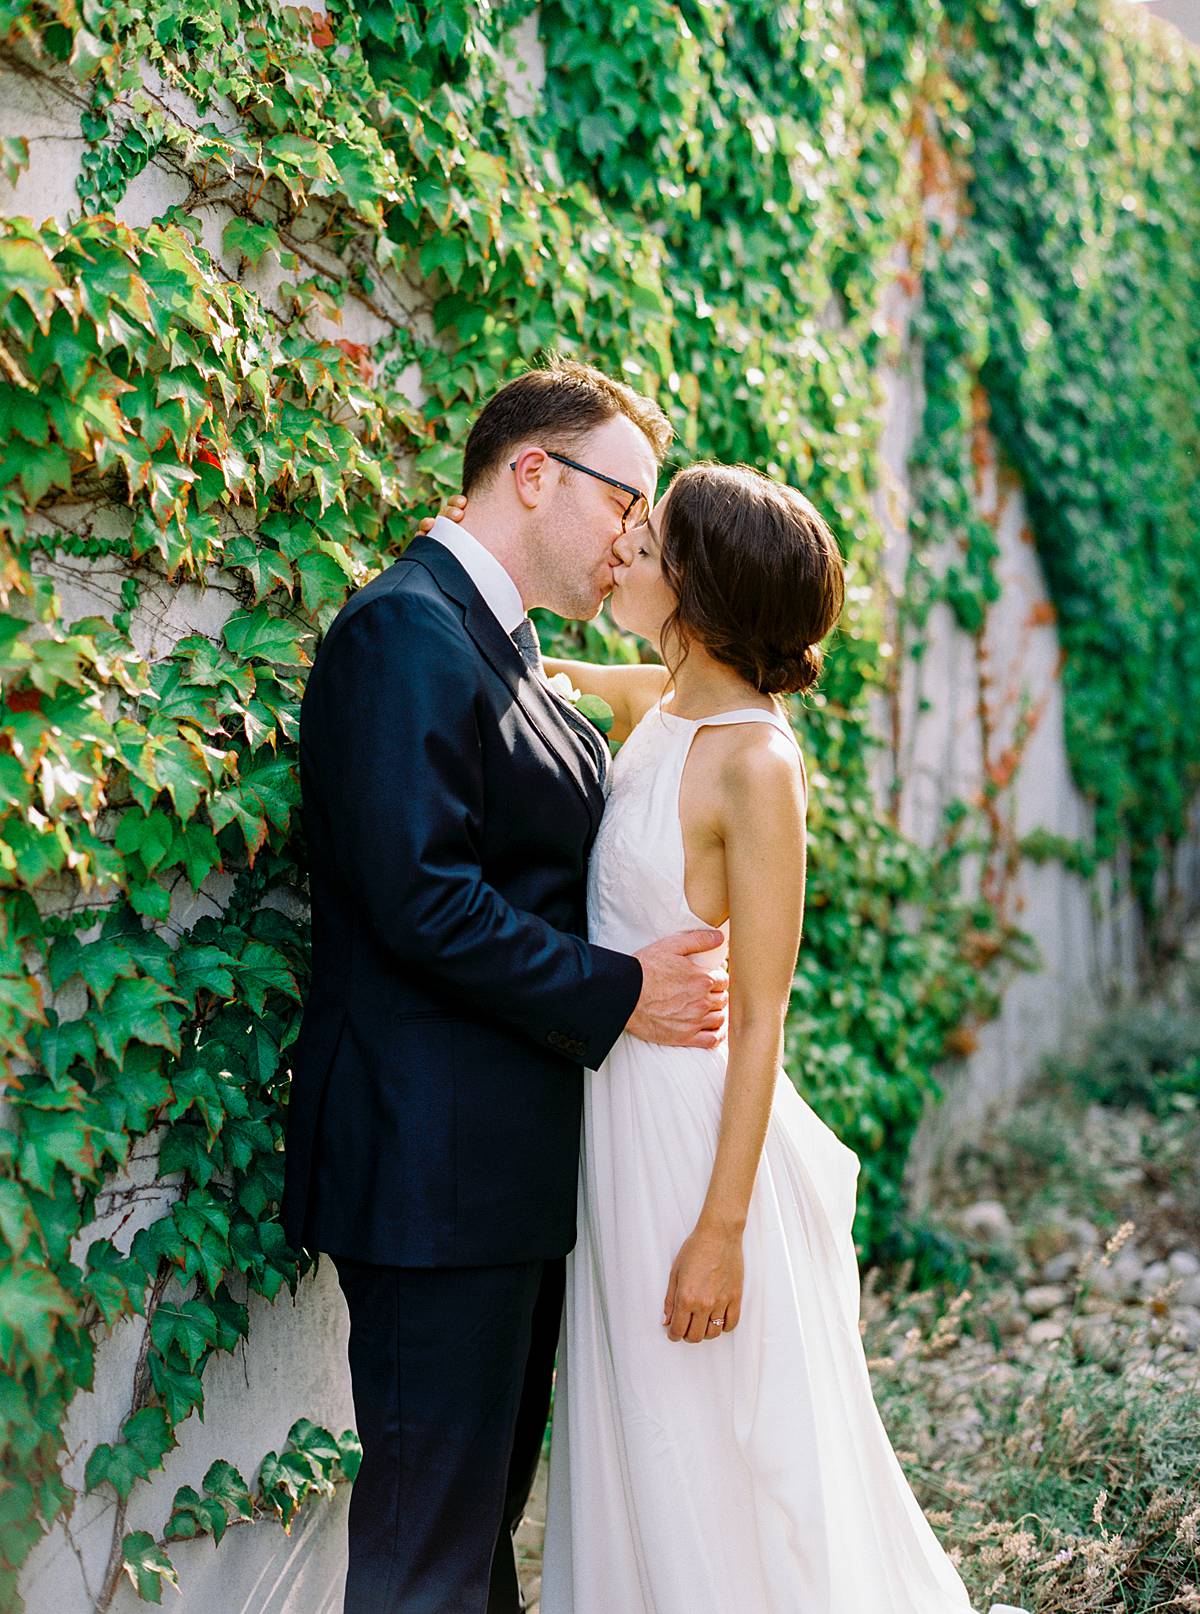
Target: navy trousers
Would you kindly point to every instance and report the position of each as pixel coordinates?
(451, 1370)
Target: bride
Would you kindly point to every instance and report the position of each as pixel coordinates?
(715, 1447)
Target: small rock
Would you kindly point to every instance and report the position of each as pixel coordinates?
(1183, 1263)
(1095, 1339)
(1044, 1298)
(1045, 1331)
(1188, 1293)
(1154, 1276)
(1185, 1324)
(987, 1219)
(1060, 1266)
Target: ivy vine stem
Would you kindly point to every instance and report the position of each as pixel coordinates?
(138, 1399)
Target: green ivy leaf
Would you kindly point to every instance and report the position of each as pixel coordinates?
(244, 238)
(179, 1389)
(147, 1566)
(137, 1011)
(258, 634)
(224, 1484)
(190, 1326)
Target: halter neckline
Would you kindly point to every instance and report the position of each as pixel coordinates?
(772, 714)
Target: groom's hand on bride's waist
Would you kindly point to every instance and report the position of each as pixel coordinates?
(684, 1002)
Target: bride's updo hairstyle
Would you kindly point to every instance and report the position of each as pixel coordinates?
(757, 573)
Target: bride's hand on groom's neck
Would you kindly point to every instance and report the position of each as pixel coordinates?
(453, 510)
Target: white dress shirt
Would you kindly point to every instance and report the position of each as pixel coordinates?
(484, 570)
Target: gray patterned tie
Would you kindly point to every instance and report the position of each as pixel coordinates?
(525, 637)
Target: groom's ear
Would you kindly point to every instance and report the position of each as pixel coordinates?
(531, 476)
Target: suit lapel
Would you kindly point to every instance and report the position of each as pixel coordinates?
(530, 693)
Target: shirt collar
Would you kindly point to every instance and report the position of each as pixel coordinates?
(484, 570)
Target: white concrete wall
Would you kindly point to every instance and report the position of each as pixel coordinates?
(296, 1363)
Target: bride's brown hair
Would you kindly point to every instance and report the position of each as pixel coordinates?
(757, 573)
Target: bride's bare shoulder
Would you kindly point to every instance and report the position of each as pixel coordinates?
(755, 763)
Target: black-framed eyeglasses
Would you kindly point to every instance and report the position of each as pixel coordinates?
(636, 493)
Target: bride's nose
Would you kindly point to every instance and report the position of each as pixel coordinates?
(623, 548)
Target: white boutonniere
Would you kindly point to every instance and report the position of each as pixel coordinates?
(597, 711)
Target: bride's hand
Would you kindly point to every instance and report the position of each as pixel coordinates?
(706, 1282)
(454, 509)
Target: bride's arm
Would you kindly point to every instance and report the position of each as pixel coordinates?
(759, 814)
(631, 689)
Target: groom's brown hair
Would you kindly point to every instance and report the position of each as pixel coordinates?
(559, 403)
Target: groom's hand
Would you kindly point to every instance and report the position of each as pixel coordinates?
(683, 1004)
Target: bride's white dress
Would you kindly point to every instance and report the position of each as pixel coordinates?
(750, 1474)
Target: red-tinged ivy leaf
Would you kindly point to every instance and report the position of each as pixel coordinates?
(60, 1043)
(18, 1223)
(31, 1302)
(14, 157)
(147, 1566)
(138, 1011)
(101, 963)
(190, 1326)
(258, 634)
(53, 1138)
(88, 50)
(248, 239)
(223, 1482)
(273, 784)
(168, 484)
(179, 769)
(27, 271)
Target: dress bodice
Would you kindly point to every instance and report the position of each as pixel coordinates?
(636, 884)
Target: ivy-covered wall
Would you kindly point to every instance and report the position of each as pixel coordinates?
(238, 355)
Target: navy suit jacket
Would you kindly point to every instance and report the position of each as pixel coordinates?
(449, 807)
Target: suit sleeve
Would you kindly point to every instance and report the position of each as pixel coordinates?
(398, 755)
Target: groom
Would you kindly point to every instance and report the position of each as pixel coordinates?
(450, 799)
